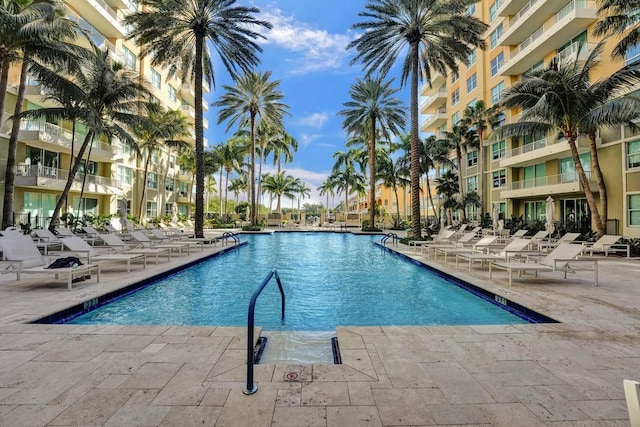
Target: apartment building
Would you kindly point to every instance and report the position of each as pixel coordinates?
(520, 173)
(114, 172)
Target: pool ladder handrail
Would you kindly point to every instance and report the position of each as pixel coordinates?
(230, 235)
(392, 236)
(251, 387)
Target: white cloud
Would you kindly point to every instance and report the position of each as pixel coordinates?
(317, 49)
(315, 120)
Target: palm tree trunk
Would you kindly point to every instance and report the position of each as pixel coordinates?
(144, 185)
(220, 194)
(163, 198)
(70, 178)
(4, 82)
(10, 175)
(252, 165)
(73, 141)
(84, 179)
(199, 217)
(435, 213)
(459, 158)
(415, 148)
(395, 191)
(260, 179)
(346, 202)
(584, 182)
(226, 194)
(372, 174)
(481, 172)
(602, 187)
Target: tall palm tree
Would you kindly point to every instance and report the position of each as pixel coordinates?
(160, 130)
(373, 108)
(562, 98)
(480, 118)
(238, 185)
(394, 173)
(327, 188)
(303, 191)
(447, 186)
(433, 35)
(177, 34)
(253, 100)
(458, 139)
(31, 36)
(432, 154)
(620, 18)
(283, 146)
(279, 185)
(231, 156)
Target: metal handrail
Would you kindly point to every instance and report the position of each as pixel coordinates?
(392, 236)
(251, 387)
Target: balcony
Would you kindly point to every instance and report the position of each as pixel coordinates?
(188, 111)
(36, 93)
(434, 120)
(578, 52)
(546, 185)
(102, 16)
(437, 80)
(188, 93)
(539, 151)
(118, 4)
(526, 20)
(510, 7)
(38, 176)
(565, 24)
(434, 102)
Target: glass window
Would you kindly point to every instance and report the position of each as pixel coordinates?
(87, 206)
(496, 64)
(472, 158)
(634, 209)
(168, 208)
(454, 76)
(493, 10)
(472, 183)
(169, 184)
(472, 58)
(495, 36)
(129, 58)
(498, 150)
(152, 209)
(499, 178)
(124, 175)
(173, 94)
(535, 175)
(633, 154)
(39, 205)
(156, 79)
(152, 180)
(455, 97)
(472, 82)
(536, 67)
(184, 189)
(535, 211)
(92, 168)
(568, 168)
(471, 9)
(455, 118)
(496, 92)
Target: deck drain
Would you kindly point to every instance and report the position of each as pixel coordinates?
(291, 376)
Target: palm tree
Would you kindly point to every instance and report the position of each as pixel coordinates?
(447, 186)
(238, 185)
(231, 156)
(373, 108)
(280, 185)
(31, 34)
(176, 35)
(458, 139)
(153, 135)
(394, 173)
(561, 98)
(254, 98)
(283, 146)
(479, 118)
(434, 35)
(327, 188)
(621, 18)
(303, 191)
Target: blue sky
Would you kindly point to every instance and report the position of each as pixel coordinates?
(305, 50)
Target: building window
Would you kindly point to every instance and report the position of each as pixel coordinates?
(472, 82)
(499, 178)
(454, 76)
(156, 79)
(498, 150)
(184, 189)
(568, 168)
(455, 97)
(472, 183)
(493, 10)
(124, 175)
(496, 64)
(173, 94)
(455, 118)
(535, 211)
(536, 67)
(471, 9)
(155, 158)
(129, 58)
(169, 184)
(535, 175)
(152, 181)
(152, 209)
(633, 54)
(496, 92)
(172, 162)
(472, 58)
(634, 209)
(168, 208)
(633, 154)
(495, 36)
(472, 158)
(85, 206)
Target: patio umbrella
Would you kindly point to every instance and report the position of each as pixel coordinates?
(549, 213)
(123, 214)
(495, 216)
(174, 213)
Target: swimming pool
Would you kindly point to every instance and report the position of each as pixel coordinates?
(330, 280)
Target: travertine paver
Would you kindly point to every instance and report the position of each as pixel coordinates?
(564, 374)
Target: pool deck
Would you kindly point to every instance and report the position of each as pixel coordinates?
(564, 374)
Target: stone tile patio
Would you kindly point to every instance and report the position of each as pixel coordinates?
(562, 374)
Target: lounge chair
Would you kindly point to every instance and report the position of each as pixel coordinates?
(512, 249)
(466, 239)
(607, 244)
(91, 234)
(114, 242)
(632, 396)
(565, 238)
(24, 257)
(480, 246)
(64, 232)
(160, 236)
(444, 235)
(141, 238)
(85, 251)
(45, 239)
(557, 260)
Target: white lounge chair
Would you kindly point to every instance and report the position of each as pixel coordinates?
(438, 238)
(461, 242)
(160, 236)
(24, 257)
(557, 260)
(45, 239)
(632, 396)
(141, 238)
(565, 238)
(480, 246)
(512, 249)
(115, 243)
(607, 244)
(88, 252)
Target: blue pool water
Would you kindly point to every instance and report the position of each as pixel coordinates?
(329, 279)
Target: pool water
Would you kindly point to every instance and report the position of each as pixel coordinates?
(329, 279)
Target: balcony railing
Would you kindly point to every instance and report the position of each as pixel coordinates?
(521, 12)
(546, 181)
(573, 51)
(39, 171)
(526, 148)
(60, 136)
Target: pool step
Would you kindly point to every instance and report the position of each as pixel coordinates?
(297, 347)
